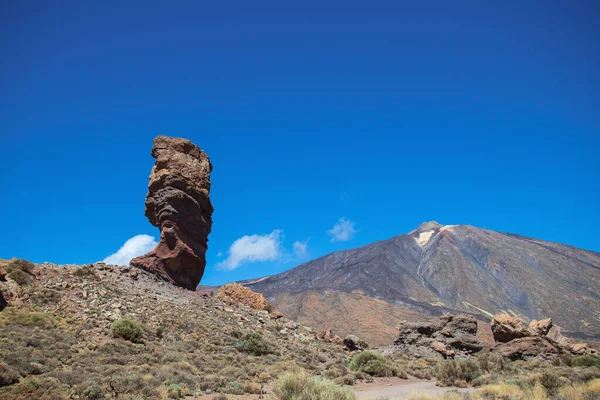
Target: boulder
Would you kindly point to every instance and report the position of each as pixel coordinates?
(439, 347)
(555, 336)
(451, 335)
(460, 325)
(542, 327)
(3, 302)
(579, 349)
(506, 328)
(245, 296)
(276, 315)
(178, 203)
(352, 343)
(525, 348)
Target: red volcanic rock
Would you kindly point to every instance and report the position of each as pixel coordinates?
(245, 296)
(178, 204)
(541, 327)
(276, 315)
(525, 348)
(506, 328)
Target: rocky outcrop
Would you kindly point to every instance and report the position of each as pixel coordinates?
(540, 327)
(449, 336)
(540, 338)
(506, 328)
(178, 204)
(244, 295)
(352, 343)
(525, 348)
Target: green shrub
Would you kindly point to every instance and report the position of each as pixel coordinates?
(492, 362)
(253, 343)
(85, 271)
(175, 391)
(21, 277)
(375, 364)
(20, 265)
(30, 319)
(299, 385)
(8, 375)
(586, 361)
(126, 329)
(457, 373)
(550, 381)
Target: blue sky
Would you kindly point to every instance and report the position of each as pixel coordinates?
(375, 116)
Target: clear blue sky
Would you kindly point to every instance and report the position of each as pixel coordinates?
(384, 113)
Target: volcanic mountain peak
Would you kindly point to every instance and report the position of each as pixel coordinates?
(426, 226)
(438, 268)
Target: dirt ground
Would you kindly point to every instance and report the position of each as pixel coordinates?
(397, 389)
(394, 388)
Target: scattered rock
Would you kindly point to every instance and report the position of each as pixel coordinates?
(291, 325)
(276, 315)
(178, 203)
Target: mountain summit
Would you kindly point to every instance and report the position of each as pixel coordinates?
(437, 268)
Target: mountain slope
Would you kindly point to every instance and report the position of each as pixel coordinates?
(461, 268)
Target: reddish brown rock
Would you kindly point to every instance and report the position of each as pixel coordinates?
(245, 296)
(439, 347)
(525, 348)
(542, 327)
(337, 340)
(178, 204)
(579, 348)
(276, 315)
(506, 328)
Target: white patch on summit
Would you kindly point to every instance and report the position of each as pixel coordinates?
(424, 238)
(447, 227)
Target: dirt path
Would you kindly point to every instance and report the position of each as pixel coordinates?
(394, 388)
(397, 389)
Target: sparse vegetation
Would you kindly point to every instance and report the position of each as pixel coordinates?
(375, 364)
(127, 329)
(457, 372)
(299, 385)
(59, 344)
(253, 343)
(586, 361)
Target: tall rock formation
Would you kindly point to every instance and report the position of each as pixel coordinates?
(178, 203)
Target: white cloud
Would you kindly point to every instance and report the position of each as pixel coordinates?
(300, 249)
(136, 246)
(342, 231)
(253, 248)
(220, 254)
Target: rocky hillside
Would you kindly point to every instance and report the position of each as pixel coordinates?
(434, 269)
(63, 336)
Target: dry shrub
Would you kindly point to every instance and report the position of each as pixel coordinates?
(299, 385)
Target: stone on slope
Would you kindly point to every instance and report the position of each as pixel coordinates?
(451, 335)
(541, 327)
(352, 342)
(506, 328)
(244, 295)
(178, 203)
(525, 348)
